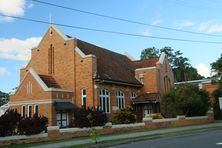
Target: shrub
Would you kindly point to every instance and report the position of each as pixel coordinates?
(34, 125)
(217, 111)
(123, 116)
(9, 122)
(185, 100)
(88, 117)
(154, 116)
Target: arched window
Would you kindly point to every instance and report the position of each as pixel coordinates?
(104, 99)
(132, 95)
(120, 99)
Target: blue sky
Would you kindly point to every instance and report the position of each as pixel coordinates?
(17, 37)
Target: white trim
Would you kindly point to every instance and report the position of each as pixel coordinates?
(83, 96)
(40, 82)
(45, 101)
(28, 109)
(34, 108)
(145, 68)
(82, 54)
(22, 110)
(128, 56)
(162, 57)
(60, 32)
(120, 98)
(30, 102)
(79, 52)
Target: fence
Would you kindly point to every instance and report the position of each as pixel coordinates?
(54, 133)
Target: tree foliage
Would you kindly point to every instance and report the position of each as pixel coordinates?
(185, 100)
(88, 117)
(9, 122)
(217, 111)
(149, 53)
(123, 116)
(182, 69)
(216, 68)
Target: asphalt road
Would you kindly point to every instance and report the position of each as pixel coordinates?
(207, 139)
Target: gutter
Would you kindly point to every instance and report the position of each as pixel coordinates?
(118, 82)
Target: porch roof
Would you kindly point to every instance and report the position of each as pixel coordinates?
(147, 98)
(64, 106)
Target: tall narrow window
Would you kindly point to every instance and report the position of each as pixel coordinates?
(29, 88)
(132, 95)
(51, 59)
(104, 99)
(120, 99)
(23, 110)
(29, 111)
(84, 97)
(36, 109)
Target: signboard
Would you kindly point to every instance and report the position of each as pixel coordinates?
(3, 109)
(220, 102)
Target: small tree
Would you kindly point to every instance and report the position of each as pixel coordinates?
(88, 117)
(9, 122)
(185, 100)
(123, 116)
(33, 125)
(217, 111)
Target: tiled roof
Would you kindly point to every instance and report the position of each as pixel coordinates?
(49, 81)
(146, 63)
(147, 98)
(110, 65)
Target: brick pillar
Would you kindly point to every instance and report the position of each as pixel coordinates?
(210, 115)
(53, 132)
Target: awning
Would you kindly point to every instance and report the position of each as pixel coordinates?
(63, 106)
(147, 98)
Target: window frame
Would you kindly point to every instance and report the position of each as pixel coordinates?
(133, 95)
(120, 99)
(29, 110)
(84, 96)
(34, 109)
(23, 112)
(104, 100)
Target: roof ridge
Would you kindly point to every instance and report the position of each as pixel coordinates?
(100, 47)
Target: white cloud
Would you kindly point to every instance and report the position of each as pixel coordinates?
(13, 8)
(184, 24)
(215, 28)
(203, 70)
(4, 71)
(17, 49)
(146, 32)
(157, 22)
(210, 26)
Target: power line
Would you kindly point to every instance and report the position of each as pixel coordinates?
(109, 31)
(124, 20)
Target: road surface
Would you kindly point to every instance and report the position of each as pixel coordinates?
(208, 139)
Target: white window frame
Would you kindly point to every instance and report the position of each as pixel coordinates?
(104, 98)
(23, 110)
(84, 96)
(133, 95)
(28, 109)
(120, 99)
(34, 108)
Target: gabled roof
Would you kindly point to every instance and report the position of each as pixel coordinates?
(147, 98)
(146, 63)
(111, 66)
(45, 86)
(49, 81)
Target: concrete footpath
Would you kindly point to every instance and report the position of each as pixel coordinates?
(132, 135)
